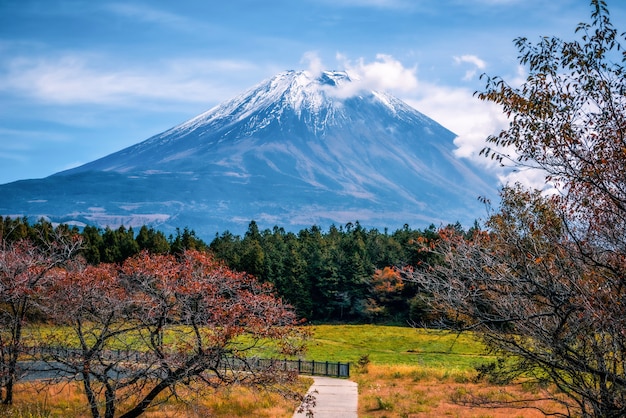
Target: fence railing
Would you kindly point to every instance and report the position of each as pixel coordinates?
(312, 367)
(305, 367)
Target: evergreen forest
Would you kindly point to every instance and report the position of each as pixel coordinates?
(346, 273)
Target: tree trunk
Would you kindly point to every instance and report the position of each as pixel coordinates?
(147, 400)
(91, 396)
(109, 395)
(14, 345)
(8, 399)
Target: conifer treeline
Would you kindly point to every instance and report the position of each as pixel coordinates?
(333, 275)
(342, 274)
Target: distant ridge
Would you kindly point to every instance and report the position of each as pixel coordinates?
(293, 151)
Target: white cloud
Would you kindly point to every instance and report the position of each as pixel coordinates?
(475, 62)
(472, 59)
(18, 157)
(148, 14)
(458, 110)
(473, 121)
(313, 62)
(87, 79)
(532, 178)
(20, 138)
(384, 74)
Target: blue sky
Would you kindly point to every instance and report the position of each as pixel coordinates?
(82, 79)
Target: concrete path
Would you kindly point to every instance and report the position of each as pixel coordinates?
(334, 398)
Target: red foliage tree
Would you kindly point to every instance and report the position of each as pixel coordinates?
(385, 289)
(160, 321)
(26, 271)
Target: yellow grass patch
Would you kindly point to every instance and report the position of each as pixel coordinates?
(414, 391)
(36, 400)
(384, 391)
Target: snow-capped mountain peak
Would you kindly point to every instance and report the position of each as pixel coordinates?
(295, 150)
(294, 90)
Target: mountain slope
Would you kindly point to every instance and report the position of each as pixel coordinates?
(293, 151)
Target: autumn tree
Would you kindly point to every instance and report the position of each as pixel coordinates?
(26, 272)
(92, 302)
(161, 322)
(545, 283)
(385, 291)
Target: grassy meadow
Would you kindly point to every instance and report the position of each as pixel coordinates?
(392, 345)
(401, 372)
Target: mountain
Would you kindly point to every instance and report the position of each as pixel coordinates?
(296, 150)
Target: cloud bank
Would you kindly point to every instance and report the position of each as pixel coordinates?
(454, 107)
(86, 79)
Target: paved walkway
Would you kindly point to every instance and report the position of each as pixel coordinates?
(334, 398)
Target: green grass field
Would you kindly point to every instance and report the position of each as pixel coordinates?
(348, 343)
(396, 345)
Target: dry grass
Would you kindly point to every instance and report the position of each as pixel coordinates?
(409, 391)
(415, 391)
(68, 401)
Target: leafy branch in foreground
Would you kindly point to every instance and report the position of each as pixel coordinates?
(545, 283)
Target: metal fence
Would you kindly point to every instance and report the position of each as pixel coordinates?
(312, 367)
(306, 367)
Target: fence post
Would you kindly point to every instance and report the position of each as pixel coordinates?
(313, 367)
(326, 372)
